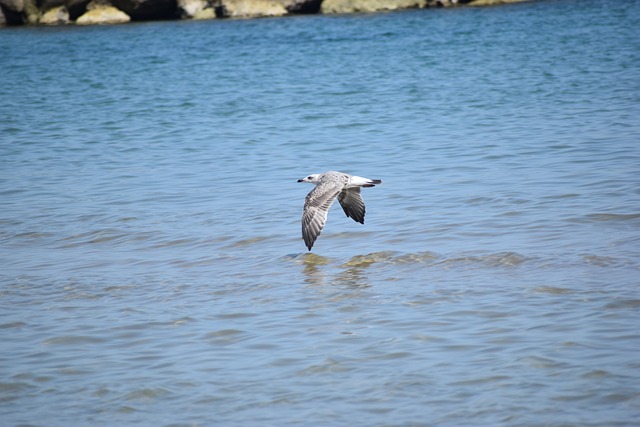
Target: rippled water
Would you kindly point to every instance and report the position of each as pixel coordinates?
(153, 271)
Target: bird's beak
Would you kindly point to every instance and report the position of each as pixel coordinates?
(299, 180)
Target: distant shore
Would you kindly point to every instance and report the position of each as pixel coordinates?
(94, 12)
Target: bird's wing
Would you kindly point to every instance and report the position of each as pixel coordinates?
(316, 207)
(352, 204)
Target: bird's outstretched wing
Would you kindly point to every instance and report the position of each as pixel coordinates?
(352, 204)
(316, 207)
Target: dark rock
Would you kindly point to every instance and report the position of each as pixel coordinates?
(492, 2)
(302, 6)
(76, 8)
(12, 10)
(443, 3)
(11, 17)
(12, 5)
(146, 10)
(49, 4)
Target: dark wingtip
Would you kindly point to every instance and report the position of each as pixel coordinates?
(308, 243)
(373, 183)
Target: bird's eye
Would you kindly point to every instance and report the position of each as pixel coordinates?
(309, 177)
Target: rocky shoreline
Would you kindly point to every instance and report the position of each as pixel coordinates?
(90, 12)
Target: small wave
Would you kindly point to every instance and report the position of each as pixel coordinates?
(34, 235)
(600, 261)
(146, 394)
(426, 258)
(174, 242)
(93, 237)
(226, 336)
(501, 259)
(614, 217)
(417, 258)
(308, 259)
(248, 242)
(74, 340)
(367, 260)
(622, 304)
(13, 325)
(553, 290)
(606, 217)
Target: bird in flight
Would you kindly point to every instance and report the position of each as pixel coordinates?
(330, 185)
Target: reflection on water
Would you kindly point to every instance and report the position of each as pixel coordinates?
(316, 268)
(352, 277)
(313, 274)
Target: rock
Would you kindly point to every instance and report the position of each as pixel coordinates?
(251, 8)
(103, 15)
(76, 8)
(49, 4)
(441, 3)
(18, 12)
(148, 10)
(31, 11)
(12, 5)
(207, 13)
(12, 11)
(492, 2)
(301, 6)
(189, 8)
(55, 16)
(351, 6)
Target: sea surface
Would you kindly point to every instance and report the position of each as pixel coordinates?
(152, 267)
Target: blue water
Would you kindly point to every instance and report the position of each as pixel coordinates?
(153, 271)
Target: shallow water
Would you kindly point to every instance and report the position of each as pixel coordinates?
(153, 268)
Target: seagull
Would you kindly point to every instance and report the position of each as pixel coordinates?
(330, 185)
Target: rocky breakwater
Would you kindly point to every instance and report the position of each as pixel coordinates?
(86, 12)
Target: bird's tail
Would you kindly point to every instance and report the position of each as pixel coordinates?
(372, 183)
(358, 181)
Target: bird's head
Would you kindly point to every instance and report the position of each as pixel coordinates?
(313, 178)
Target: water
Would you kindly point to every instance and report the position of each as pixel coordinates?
(153, 271)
